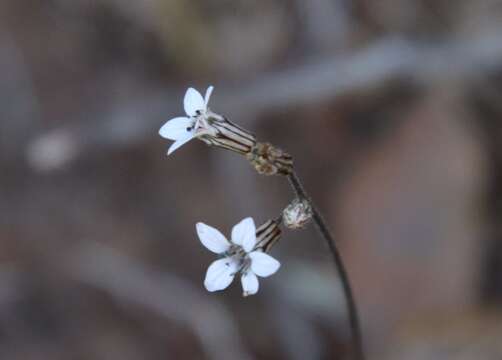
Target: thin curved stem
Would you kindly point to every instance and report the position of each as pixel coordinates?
(358, 352)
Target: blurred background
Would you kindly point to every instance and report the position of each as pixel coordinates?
(391, 108)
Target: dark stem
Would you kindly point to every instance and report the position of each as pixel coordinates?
(326, 235)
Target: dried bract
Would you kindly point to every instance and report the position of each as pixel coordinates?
(269, 160)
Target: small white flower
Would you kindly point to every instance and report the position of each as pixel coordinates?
(240, 255)
(185, 128)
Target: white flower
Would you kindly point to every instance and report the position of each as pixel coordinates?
(240, 255)
(185, 128)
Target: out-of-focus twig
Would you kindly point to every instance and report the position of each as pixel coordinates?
(299, 310)
(386, 60)
(11, 280)
(166, 294)
(326, 23)
(19, 104)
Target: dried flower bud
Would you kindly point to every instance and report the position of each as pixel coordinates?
(297, 214)
(267, 235)
(269, 160)
(216, 130)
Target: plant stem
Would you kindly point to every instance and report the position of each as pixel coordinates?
(326, 235)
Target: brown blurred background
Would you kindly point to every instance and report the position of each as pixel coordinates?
(391, 108)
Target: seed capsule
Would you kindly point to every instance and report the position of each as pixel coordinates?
(297, 214)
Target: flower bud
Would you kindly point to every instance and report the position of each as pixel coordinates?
(297, 214)
(269, 160)
(216, 130)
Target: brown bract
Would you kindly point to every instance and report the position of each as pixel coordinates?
(269, 160)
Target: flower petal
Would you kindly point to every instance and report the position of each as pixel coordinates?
(193, 101)
(176, 128)
(263, 264)
(249, 283)
(220, 274)
(212, 239)
(209, 91)
(244, 234)
(179, 142)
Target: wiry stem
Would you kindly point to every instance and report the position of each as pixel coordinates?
(270, 160)
(358, 352)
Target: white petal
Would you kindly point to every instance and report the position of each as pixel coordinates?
(209, 91)
(176, 128)
(249, 283)
(212, 239)
(179, 142)
(244, 234)
(193, 101)
(263, 264)
(220, 274)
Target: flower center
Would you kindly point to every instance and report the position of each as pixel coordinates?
(193, 124)
(200, 125)
(239, 257)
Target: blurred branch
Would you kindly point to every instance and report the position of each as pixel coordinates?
(11, 281)
(300, 311)
(20, 107)
(386, 60)
(326, 22)
(165, 294)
